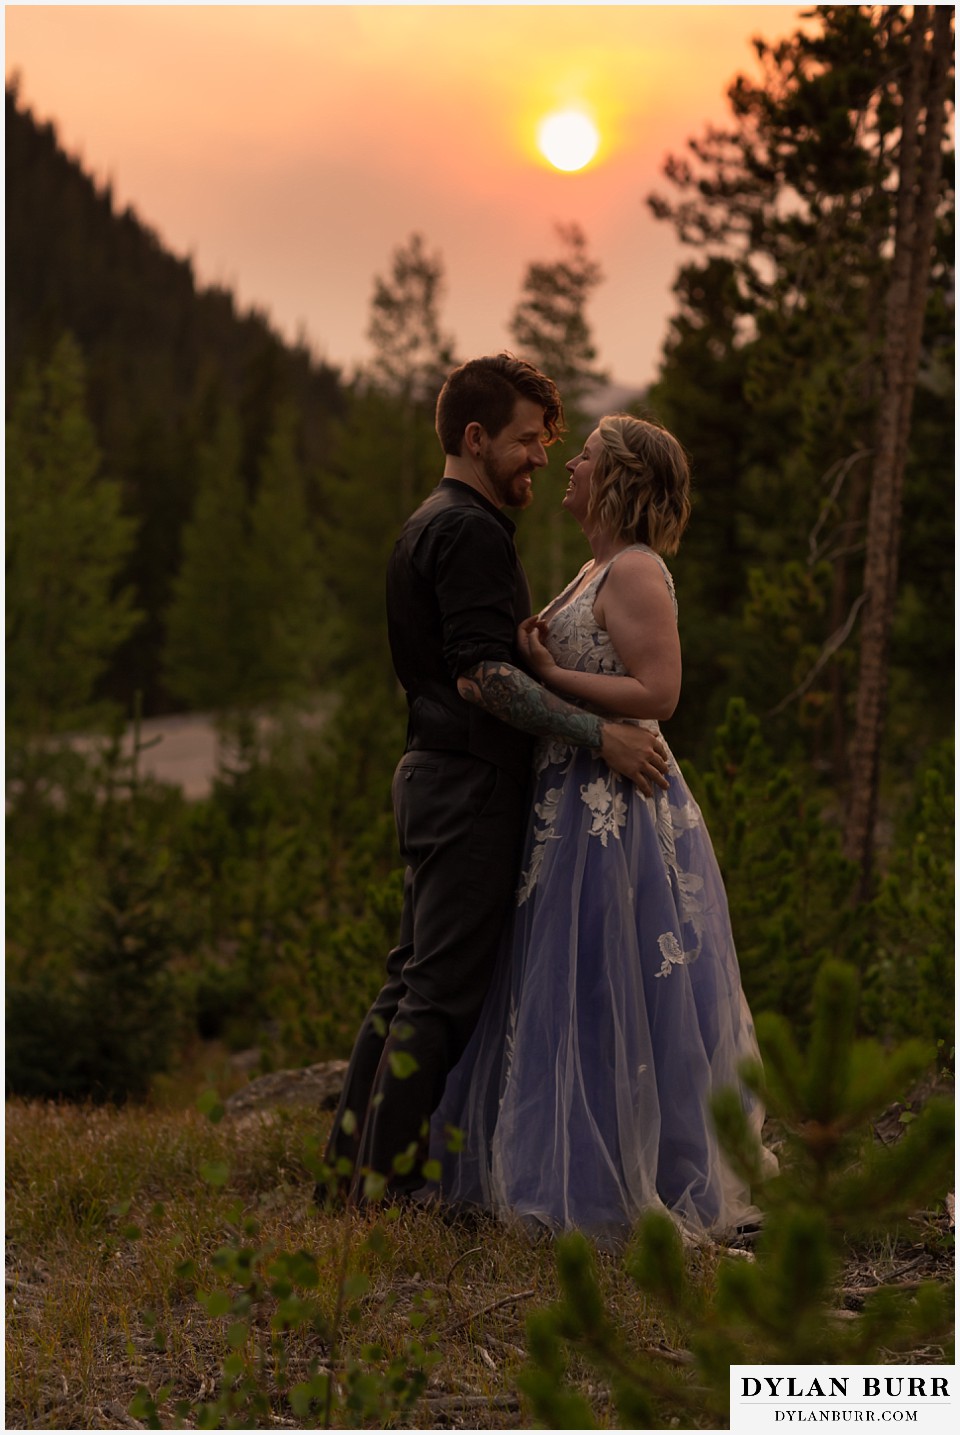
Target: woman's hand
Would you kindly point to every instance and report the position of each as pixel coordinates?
(535, 654)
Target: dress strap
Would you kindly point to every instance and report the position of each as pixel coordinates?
(641, 548)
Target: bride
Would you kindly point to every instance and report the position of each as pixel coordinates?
(616, 1011)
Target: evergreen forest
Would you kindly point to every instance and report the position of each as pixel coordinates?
(199, 514)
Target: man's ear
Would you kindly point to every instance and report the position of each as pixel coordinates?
(472, 436)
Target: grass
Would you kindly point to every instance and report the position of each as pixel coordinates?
(115, 1236)
(161, 1264)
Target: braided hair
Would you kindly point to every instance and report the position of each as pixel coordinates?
(641, 483)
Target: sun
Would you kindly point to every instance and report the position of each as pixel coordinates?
(568, 139)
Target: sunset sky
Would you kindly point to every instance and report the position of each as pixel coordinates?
(289, 149)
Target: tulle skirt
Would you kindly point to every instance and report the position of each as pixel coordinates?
(615, 1013)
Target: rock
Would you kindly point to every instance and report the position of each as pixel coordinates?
(892, 1123)
(318, 1085)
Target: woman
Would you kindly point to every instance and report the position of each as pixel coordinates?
(617, 1010)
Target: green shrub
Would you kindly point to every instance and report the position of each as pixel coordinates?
(788, 886)
(92, 1003)
(909, 973)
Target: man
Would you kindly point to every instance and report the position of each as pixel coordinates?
(455, 596)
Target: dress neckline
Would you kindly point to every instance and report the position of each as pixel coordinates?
(561, 601)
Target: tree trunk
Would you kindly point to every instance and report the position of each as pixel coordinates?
(851, 535)
(920, 172)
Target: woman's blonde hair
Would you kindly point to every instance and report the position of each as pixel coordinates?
(641, 483)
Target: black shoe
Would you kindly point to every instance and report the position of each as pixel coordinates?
(331, 1197)
(457, 1215)
(463, 1216)
(745, 1236)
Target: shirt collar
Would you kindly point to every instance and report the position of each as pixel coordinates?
(481, 501)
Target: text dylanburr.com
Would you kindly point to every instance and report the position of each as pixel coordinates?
(766, 1398)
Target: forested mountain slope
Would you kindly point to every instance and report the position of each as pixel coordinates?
(161, 355)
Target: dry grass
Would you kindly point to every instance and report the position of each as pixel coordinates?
(118, 1222)
(106, 1208)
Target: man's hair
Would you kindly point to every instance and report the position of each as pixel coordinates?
(641, 483)
(485, 391)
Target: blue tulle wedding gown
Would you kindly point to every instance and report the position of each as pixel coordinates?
(616, 1010)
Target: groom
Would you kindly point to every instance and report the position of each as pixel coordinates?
(456, 594)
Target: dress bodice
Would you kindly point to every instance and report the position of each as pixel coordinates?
(575, 639)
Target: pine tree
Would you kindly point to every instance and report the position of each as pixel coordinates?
(289, 621)
(552, 331)
(211, 614)
(799, 196)
(383, 461)
(923, 125)
(700, 396)
(550, 325)
(412, 353)
(67, 542)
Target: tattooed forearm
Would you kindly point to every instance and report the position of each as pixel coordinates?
(510, 695)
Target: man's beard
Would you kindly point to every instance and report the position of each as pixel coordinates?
(509, 484)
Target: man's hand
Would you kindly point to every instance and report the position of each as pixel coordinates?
(636, 753)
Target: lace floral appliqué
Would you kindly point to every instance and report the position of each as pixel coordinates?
(577, 641)
(687, 886)
(607, 806)
(546, 811)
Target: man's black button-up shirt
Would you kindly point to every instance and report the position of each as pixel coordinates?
(455, 595)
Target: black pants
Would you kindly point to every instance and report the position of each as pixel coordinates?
(460, 822)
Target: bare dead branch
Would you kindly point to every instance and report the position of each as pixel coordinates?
(833, 643)
(473, 1251)
(452, 1405)
(672, 1357)
(486, 1310)
(842, 467)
